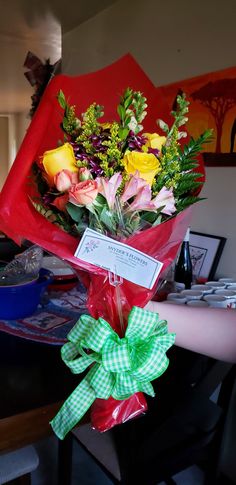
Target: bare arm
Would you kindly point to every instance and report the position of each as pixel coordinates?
(209, 331)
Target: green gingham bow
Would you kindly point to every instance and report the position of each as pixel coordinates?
(121, 366)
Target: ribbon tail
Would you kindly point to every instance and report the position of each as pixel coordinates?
(73, 409)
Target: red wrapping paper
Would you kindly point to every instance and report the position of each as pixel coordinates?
(162, 243)
(19, 220)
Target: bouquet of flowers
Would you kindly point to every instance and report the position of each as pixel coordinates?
(114, 178)
(125, 181)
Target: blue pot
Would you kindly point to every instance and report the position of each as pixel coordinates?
(22, 300)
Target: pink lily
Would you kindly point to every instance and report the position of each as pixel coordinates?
(142, 201)
(109, 187)
(132, 187)
(165, 198)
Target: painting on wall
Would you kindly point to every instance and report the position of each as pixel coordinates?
(212, 105)
(205, 252)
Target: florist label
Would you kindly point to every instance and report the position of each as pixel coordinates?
(118, 258)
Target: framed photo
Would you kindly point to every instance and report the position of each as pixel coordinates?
(205, 251)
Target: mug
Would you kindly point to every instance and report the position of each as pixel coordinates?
(219, 301)
(191, 294)
(228, 281)
(230, 294)
(216, 285)
(231, 287)
(205, 289)
(177, 298)
(197, 303)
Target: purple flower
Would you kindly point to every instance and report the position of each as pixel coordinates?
(136, 142)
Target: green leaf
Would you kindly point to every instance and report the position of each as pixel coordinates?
(163, 126)
(127, 120)
(148, 217)
(81, 227)
(61, 99)
(157, 221)
(75, 211)
(123, 133)
(152, 217)
(65, 124)
(100, 202)
(186, 202)
(128, 102)
(107, 218)
(91, 209)
(131, 223)
(121, 111)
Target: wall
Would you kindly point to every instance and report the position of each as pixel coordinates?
(12, 131)
(171, 41)
(22, 121)
(4, 149)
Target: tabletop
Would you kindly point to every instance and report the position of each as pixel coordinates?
(34, 381)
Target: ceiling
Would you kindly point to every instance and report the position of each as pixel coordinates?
(36, 26)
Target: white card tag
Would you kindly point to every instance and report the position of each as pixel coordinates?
(118, 258)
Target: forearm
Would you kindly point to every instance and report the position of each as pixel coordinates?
(209, 331)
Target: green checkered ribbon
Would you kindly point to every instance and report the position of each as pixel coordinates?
(121, 366)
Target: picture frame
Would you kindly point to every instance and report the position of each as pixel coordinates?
(205, 252)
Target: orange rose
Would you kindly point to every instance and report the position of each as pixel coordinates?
(60, 202)
(83, 193)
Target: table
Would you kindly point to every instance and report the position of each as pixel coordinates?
(34, 382)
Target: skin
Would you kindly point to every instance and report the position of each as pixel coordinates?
(209, 331)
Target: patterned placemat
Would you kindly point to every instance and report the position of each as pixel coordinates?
(52, 320)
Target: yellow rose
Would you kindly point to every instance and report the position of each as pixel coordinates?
(146, 164)
(154, 140)
(61, 158)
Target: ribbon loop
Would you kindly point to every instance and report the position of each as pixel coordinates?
(102, 382)
(116, 356)
(121, 366)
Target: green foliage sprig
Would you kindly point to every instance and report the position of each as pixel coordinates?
(70, 123)
(131, 111)
(179, 164)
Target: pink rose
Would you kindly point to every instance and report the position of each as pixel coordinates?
(60, 202)
(84, 174)
(83, 193)
(64, 179)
